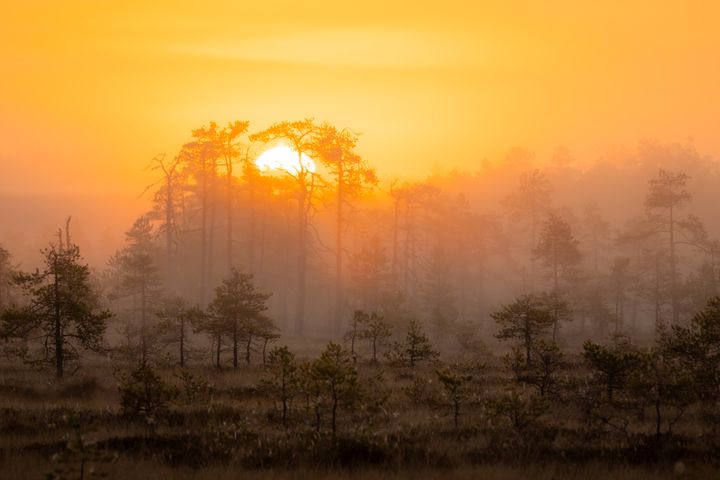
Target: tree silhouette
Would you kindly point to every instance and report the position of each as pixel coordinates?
(283, 373)
(166, 201)
(376, 330)
(369, 273)
(302, 137)
(612, 364)
(62, 313)
(7, 273)
(438, 294)
(335, 149)
(413, 349)
(665, 196)
(455, 383)
(337, 378)
(558, 249)
(524, 321)
(527, 205)
(230, 149)
(239, 306)
(140, 278)
(175, 321)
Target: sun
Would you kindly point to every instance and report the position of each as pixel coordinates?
(284, 158)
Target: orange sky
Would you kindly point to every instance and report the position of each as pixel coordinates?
(90, 91)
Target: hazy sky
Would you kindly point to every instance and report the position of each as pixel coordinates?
(90, 91)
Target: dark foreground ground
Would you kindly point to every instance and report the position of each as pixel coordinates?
(222, 425)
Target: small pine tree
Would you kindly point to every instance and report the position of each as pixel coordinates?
(337, 379)
(455, 383)
(145, 395)
(524, 322)
(613, 364)
(62, 313)
(375, 330)
(414, 349)
(282, 381)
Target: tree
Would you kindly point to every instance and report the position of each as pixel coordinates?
(369, 273)
(596, 231)
(612, 365)
(144, 394)
(175, 319)
(524, 321)
(200, 159)
(665, 196)
(63, 311)
(335, 149)
(558, 249)
(353, 333)
(302, 137)
(140, 277)
(526, 206)
(229, 150)
(166, 201)
(409, 201)
(7, 273)
(338, 380)
(455, 383)
(414, 349)
(697, 349)
(376, 330)
(216, 328)
(282, 382)
(660, 382)
(438, 294)
(239, 306)
(265, 331)
(543, 373)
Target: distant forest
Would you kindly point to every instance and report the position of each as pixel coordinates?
(627, 243)
(304, 313)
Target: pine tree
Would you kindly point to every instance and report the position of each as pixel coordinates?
(239, 306)
(558, 249)
(62, 315)
(524, 321)
(141, 279)
(413, 349)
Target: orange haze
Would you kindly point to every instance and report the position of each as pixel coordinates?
(91, 90)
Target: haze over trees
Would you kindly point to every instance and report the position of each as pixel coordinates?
(489, 304)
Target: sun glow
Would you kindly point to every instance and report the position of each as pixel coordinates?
(284, 158)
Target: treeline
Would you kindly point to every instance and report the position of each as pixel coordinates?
(402, 403)
(316, 245)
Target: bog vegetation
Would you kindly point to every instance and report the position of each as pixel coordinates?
(313, 317)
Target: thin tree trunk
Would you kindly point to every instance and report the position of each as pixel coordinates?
(230, 259)
(301, 258)
(182, 341)
(235, 344)
(673, 271)
(59, 355)
(338, 250)
(217, 353)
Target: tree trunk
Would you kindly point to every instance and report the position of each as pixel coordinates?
(673, 271)
(248, 348)
(338, 250)
(182, 341)
(59, 354)
(217, 353)
(230, 260)
(235, 345)
(301, 259)
(143, 324)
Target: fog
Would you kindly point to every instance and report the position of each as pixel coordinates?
(448, 249)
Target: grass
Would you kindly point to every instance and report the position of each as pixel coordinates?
(232, 434)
